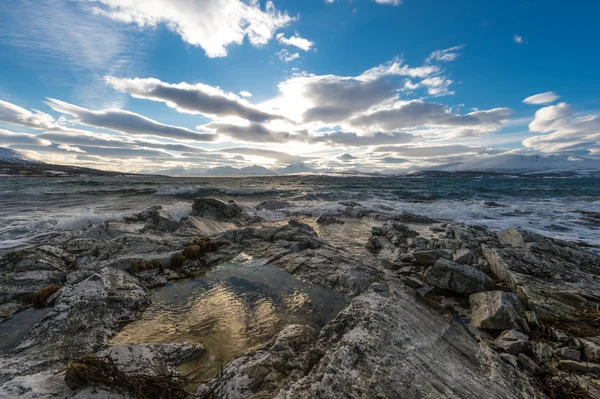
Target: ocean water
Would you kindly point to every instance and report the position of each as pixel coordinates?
(31, 208)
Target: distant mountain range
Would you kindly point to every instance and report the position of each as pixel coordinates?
(15, 163)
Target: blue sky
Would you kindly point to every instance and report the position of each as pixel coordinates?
(119, 84)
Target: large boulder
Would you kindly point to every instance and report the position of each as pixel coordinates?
(428, 258)
(212, 208)
(462, 279)
(273, 205)
(498, 310)
(325, 219)
(161, 220)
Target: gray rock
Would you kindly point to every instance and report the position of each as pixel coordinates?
(498, 310)
(465, 257)
(325, 219)
(568, 353)
(580, 367)
(8, 309)
(374, 243)
(555, 278)
(532, 318)
(511, 341)
(81, 244)
(462, 279)
(158, 219)
(212, 208)
(591, 349)
(542, 352)
(406, 217)
(428, 258)
(510, 359)
(530, 365)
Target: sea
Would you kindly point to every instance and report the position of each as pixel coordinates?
(567, 208)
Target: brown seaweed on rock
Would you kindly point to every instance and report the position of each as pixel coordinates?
(41, 296)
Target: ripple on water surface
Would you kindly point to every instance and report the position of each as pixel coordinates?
(233, 308)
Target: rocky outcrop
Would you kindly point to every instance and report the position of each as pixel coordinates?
(212, 208)
(26, 271)
(458, 278)
(273, 205)
(556, 279)
(325, 219)
(158, 219)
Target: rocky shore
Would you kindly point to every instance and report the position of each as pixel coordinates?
(436, 309)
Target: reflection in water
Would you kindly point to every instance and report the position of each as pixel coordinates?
(230, 310)
(12, 331)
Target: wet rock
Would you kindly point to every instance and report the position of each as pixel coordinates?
(374, 243)
(465, 257)
(325, 219)
(498, 310)
(212, 208)
(555, 278)
(304, 226)
(568, 353)
(81, 245)
(428, 258)
(273, 205)
(462, 279)
(8, 309)
(406, 217)
(492, 204)
(580, 367)
(511, 341)
(158, 219)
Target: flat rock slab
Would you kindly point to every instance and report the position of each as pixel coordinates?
(462, 279)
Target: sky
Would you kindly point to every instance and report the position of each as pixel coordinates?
(181, 86)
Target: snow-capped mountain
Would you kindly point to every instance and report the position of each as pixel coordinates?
(299, 167)
(523, 164)
(8, 155)
(254, 170)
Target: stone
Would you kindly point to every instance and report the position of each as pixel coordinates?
(542, 352)
(374, 243)
(428, 258)
(8, 309)
(568, 353)
(406, 217)
(81, 244)
(158, 219)
(591, 349)
(465, 257)
(497, 310)
(462, 279)
(420, 243)
(532, 318)
(510, 359)
(413, 282)
(212, 208)
(530, 365)
(580, 367)
(559, 335)
(511, 237)
(511, 341)
(325, 219)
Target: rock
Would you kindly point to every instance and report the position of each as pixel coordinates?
(511, 341)
(492, 204)
(304, 226)
(568, 353)
(510, 359)
(462, 279)
(325, 219)
(542, 352)
(591, 349)
(532, 318)
(555, 278)
(413, 282)
(465, 257)
(273, 205)
(392, 346)
(428, 258)
(374, 243)
(212, 208)
(406, 217)
(498, 310)
(580, 367)
(159, 219)
(419, 243)
(530, 365)
(8, 309)
(512, 237)
(81, 244)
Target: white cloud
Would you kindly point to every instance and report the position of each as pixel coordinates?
(286, 56)
(542, 98)
(126, 122)
(447, 55)
(210, 24)
(519, 39)
(192, 99)
(296, 41)
(8, 138)
(435, 151)
(563, 132)
(244, 93)
(13, 114)
(391, 2)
